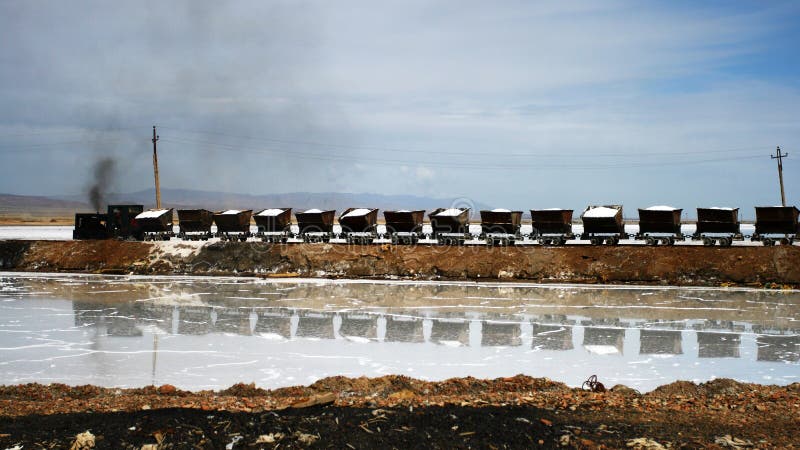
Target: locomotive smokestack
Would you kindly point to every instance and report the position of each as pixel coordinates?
(103, 174)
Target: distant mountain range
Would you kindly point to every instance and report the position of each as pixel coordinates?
(185, 198)
(16, 204)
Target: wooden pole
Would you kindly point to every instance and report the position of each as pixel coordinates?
(155, 169)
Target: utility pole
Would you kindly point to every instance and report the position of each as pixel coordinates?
(780, 157)
(155, 169)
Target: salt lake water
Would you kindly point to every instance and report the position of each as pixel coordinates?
(209, 333)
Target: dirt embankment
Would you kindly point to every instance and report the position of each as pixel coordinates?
(400, 412)
(679, 265)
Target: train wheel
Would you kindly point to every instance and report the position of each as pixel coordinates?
(766, 242)
(594, 241)
(724, 242)
(651, 241)
(708, 242)
(671, 241)
(786, 241)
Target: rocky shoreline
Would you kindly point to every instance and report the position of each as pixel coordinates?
(679, 265)
(339, 412)
(397, 411)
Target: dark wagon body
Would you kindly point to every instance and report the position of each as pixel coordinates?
(501, 226)
(552, 226)
(404, 226)
(717, 225)
(404, 221)
(660, 223)
(195, 223)
(450, 225)
(233, 223)
(278, 222)
(156, 223)
(274, 224)
(315, 225)
(359, 225)
(776, 224)
(603, 228)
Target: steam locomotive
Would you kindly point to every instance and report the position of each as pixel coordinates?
(602, 224)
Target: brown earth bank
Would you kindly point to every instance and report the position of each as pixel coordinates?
(400, 412)
(679, 265)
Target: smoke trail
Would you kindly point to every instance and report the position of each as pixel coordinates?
(103, 175)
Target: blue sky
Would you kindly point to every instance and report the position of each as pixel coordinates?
(515, 104)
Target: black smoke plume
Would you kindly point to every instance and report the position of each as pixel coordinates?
(103, 176)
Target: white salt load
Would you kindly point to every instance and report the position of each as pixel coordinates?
(451, 212)
(313, 211)
(357, 212)
(152, 214)
(661, 208)
(271, 212)
(601, 212)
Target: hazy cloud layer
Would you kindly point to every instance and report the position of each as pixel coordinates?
(514, 104)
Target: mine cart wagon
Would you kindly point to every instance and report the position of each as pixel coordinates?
(274, 224)
(404, 226)
(551, 226)
(359, 225)
(660, 224)
(195, 224)
(501, 226)
(603, 224)
(776, 224)
(718, 225)
(233, 224)
(156, 224)
(315, 225)
(450, 226)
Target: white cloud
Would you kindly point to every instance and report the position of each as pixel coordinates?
(399, 87)
(424, 173)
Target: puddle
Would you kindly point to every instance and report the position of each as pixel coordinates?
(209, 333)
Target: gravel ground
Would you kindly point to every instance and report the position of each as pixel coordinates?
(400, 412)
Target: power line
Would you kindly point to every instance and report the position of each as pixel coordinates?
(19, 148)
(63, 132)
(450, 153)
(449, 164)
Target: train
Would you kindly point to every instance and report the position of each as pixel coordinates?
(602, 225)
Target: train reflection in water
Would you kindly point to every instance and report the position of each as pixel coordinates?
(559, 333)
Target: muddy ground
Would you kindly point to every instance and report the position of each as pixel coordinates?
(679, 265)
(400, 412)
